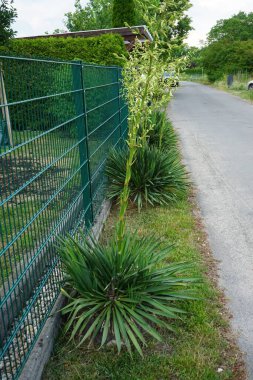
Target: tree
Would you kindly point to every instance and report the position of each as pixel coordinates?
(123, 12)
(7, 16)
(194, 56)
(223, 57)
(237, 28)
(97, 14)
(229, 47)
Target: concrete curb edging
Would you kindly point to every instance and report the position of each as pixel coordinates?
(41, 352)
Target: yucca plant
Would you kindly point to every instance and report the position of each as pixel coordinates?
(122, 297)
(161, 133)
(126, 289)
(156, 177)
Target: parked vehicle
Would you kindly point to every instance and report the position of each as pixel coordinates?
(171, 77)
(250, 85)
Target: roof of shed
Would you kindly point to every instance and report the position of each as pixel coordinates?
(140, 31)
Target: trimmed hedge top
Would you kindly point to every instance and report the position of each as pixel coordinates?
(101, 50)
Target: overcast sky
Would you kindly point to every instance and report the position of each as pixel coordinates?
(38, 16)
(205, 13)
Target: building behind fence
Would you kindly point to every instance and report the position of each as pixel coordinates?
(58, 120)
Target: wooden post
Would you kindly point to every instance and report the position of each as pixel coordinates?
(5, 109)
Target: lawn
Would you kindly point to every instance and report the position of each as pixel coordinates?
(201, 349)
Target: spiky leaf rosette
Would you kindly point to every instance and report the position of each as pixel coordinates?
(157, 178)
(122, 296)
(160, 132)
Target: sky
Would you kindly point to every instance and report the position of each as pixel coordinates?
(38, 16)
(205, 13)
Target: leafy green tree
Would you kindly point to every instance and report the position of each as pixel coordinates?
(237, 28)
(194, 55)
(123, 12)
(229, 47)
(97, 14)
(224, 57)
(7, 16)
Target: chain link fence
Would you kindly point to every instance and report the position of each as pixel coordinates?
(58, 121)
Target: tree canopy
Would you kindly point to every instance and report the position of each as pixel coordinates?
(222, 57)
(97, 14)
(123, 12)
(7, 16)
(236, 28)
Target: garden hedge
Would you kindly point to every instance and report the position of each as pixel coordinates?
(100, 50)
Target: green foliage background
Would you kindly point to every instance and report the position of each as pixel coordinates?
(97, 14)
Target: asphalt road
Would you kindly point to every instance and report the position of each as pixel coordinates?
(216, 131)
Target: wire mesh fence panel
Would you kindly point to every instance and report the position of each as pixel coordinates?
(58, 121)
(103, 123)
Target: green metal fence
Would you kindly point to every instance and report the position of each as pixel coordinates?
(58, 121)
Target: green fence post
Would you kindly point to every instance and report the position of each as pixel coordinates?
(82, 135)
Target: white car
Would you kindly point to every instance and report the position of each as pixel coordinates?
(172, 77)
(250, 85)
